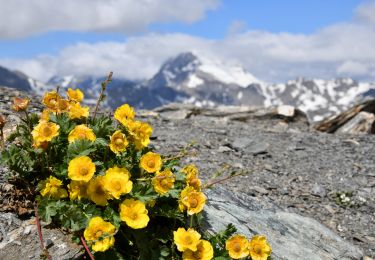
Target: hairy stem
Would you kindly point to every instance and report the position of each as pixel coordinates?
(104, 86)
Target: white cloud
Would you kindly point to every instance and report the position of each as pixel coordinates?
(365, 12)
(352, 68)
(236, 27)
(21, 18)
(344, 49)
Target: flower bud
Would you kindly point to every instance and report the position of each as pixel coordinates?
(20, 104)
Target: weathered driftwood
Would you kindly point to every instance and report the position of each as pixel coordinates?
(360, 124)
(331, 125)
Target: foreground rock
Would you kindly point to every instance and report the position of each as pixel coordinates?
(19, 240)
(290, 235)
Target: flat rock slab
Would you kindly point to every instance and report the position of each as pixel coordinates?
(19, 240)
(290, 235)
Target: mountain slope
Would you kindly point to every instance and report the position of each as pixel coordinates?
(14, 79)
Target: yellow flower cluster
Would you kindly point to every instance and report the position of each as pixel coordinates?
(100, 234)
(139, 132)
(115, 175)
(51, 188)
(189, 242)
(239, 247)
(57, 104)
(45, 131)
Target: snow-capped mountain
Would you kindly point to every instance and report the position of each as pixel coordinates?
(318, 98)
(205, 81)
(193, 78)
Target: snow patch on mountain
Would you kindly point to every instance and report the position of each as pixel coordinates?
(227, 73)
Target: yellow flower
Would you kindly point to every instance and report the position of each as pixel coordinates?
(81, 169)
(259, 248)
(51, 188)
(100, 234)
(118, 142)
(77, 190)
(190, 169)
(45, 132)
(45, 115)
(186, 239)
(150, 162)
(20, 104)
(124, 114)
(192, 179)
(96, 191)
(163, 181)
(117, 182)
(76, 111)
(134, 213)
(191, 200)
(62, 105)
(140, 133)
(204, 252)
(81, 132)
(237, 246)
(51, 99)
(75, 94)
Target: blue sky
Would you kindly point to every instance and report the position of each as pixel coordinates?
(274, 39)
(294, 16)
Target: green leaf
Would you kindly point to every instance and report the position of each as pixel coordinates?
(101, 142)
(80, 148)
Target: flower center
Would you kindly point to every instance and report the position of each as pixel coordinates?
(116, 185)
(151, 164)
(164, 182)
(84, 171)
(63, 105)
(52, 101)
(258, 249)
(119, 141)
(193, 202)
(134, 216)
(237, 247)
(47, 131)
(188, 240)
(98, 234)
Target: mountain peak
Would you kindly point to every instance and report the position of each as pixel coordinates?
(194, 69)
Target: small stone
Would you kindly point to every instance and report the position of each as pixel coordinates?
(49, 243)
(284, 191)
(318, 190)
(254, 147)
(27, 230)
(285, 110)
(254, 190)
(224, 149)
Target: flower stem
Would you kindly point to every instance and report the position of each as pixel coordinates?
(86, 248)
(2, 141)
(39, 228)
(104, 86)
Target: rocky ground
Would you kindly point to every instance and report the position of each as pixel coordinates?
(285, 165)
(330, 178)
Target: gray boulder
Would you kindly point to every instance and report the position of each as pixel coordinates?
(290, 235)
